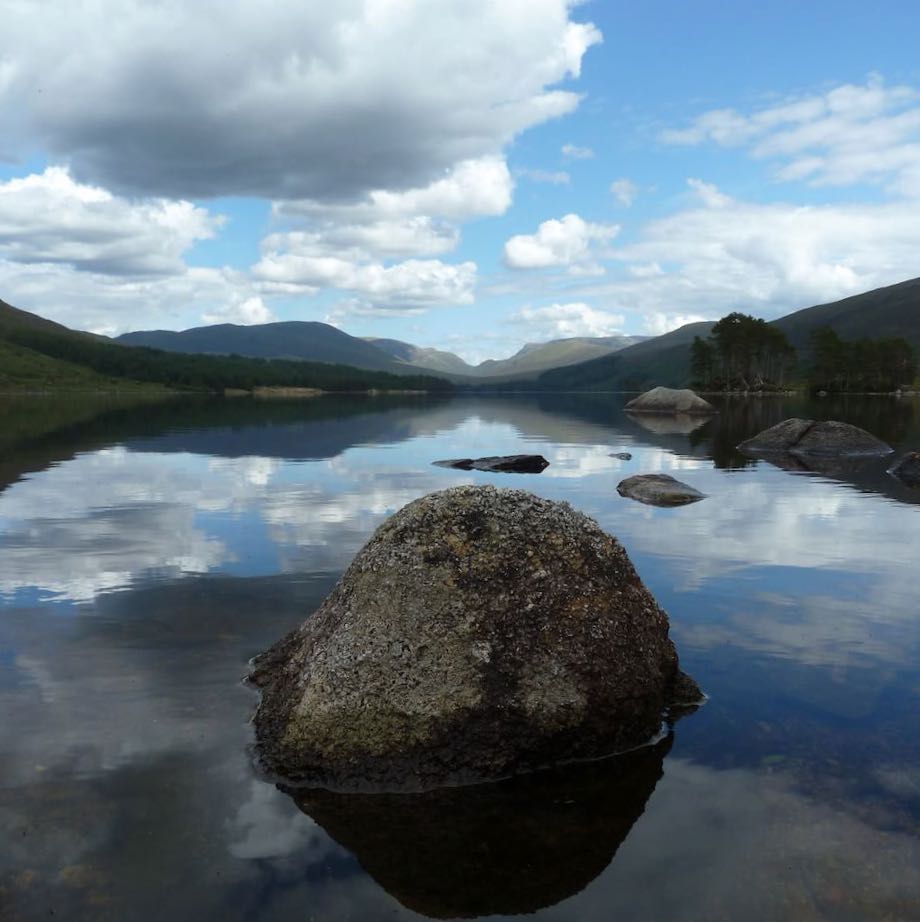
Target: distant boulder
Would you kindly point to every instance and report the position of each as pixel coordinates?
(907, 470)
(478, 634)
(509, 464)
(659, 490)
(669, 400)
(806, 437)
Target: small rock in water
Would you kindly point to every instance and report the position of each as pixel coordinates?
(481, 632)
(622, 455)
(511, 464)
(659, 490)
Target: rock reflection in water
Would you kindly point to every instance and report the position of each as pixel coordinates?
(511, 847)
(670, 424)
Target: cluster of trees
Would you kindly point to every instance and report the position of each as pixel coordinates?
(210, 372)
(860, 365)
(742, 353)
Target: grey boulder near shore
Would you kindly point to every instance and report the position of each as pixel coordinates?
(669, 400)
(807, 437)
(659, 490)
(481, 632)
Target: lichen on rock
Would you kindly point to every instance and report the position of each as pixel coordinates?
(479, 633)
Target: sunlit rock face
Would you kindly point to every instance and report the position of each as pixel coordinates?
(479, 633)
(807, 438)
(670, 400)
(516, 846)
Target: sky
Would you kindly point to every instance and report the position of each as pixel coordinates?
(464, 174)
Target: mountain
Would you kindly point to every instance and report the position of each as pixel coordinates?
(421, 357)
(38, 354)
(893, 311)
(664, 360)
(309, 341)
(529, 361)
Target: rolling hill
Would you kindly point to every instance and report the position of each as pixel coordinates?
(308, 341)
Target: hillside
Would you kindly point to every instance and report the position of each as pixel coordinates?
(422, 357)
(663, 360)
(308, 341)
(30, 343)
(893, 311)
(878, 314)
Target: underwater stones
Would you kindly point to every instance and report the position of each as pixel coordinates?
(480, 632)
(805, 437)
(659, 490)
(669, 400)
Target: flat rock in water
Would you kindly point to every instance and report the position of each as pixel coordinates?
(907, 470)
(659, 490)
(669, 400)
(622, 455)
(806, 437)
(481, 632)
(511, 464)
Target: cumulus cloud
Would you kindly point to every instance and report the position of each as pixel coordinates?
(50, 218)
(322, 101)
(569, 241)
(243, 312)
(625, 191)
(563, 320)
(574, 152)
(846, 135)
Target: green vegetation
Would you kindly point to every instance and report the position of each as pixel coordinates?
(741, 353)
(880, 365)
(38, 354)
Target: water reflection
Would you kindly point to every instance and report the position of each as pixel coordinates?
(506, 848)
(145, 556)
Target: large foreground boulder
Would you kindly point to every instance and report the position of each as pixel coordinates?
(806, 437)
(479, 633)
(669, 400)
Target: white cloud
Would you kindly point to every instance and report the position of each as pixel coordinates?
(50, 218)
(844, 136)
(325, 101)
(302, 262)
(625, 191)
(564, 320)
(660, 322)
(245, 313)
(568, 241)
(574, 152)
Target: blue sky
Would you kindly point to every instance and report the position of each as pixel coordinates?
(470, 175)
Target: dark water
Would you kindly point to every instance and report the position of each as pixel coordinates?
(146, 553)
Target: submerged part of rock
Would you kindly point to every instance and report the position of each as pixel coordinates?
(510, 464)
(907, 469)
(513, 847)
(669, 400)
(659, 490)
(807, 437)
(479, 633)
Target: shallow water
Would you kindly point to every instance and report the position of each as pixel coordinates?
(147, 553)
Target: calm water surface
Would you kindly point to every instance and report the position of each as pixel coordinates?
(147, 553)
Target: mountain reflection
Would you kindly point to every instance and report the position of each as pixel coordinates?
(506, 848)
